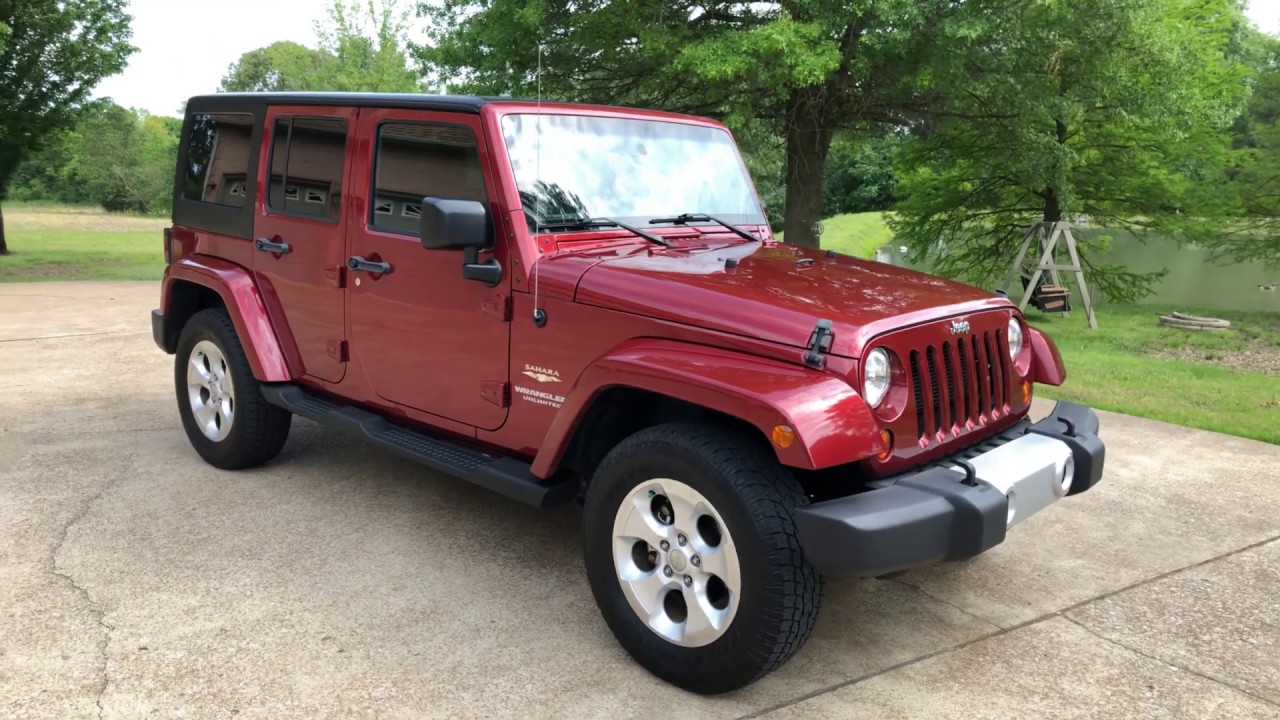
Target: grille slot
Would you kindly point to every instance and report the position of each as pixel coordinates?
(934, 395)
(959, 381)
(990, 375)
(964, 379)
(949, 367)
(917, 388)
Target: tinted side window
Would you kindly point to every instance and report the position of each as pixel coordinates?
(417, 160)
(218, 159)
(308, 159)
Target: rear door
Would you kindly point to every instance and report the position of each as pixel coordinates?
(426, 337)
(299, 243)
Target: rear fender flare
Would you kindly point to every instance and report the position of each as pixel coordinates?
(833, 426)
(240, 295)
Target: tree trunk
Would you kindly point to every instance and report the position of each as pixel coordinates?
(808, 142)
(1052, 204)
(4, 247)
(1052, 208)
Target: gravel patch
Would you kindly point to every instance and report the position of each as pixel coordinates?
(1256, 358)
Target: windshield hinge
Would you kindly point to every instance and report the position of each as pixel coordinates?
(819, 343)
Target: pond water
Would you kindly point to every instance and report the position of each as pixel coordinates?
(1196, 281)
(1193, 281)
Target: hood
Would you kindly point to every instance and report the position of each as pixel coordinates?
(777, 292)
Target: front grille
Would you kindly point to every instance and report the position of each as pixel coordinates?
(959, 382)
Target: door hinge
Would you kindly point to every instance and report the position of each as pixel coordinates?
(497, 393)
(336, 276)
(337, 350)
(498, 306)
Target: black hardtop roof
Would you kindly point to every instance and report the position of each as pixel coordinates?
(453, 103)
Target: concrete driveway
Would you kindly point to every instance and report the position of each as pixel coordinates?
(340, 581)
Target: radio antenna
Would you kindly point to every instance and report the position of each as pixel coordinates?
(539, 314)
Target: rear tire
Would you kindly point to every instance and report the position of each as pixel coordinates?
(228, 421)
(736, 500)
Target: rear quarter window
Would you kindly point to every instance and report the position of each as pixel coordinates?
(218, 155)
(216, 179)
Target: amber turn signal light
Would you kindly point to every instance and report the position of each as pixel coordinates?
(887, 438)
(1026, 392)
(783, 436)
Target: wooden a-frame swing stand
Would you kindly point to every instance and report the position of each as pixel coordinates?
(1051, 298)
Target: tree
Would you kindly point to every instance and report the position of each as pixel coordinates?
(52, 54)
(860, 176)
(806, 68)
(123, 159)
(283, 66)
(1246, 194)
(112, 156)
(370, 40)
(363, 46)
(1103, 108)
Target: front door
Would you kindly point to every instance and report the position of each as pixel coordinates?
(298, 233)
(425, 337)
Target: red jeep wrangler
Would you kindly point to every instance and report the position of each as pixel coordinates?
(562, 303)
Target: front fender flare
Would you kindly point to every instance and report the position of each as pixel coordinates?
(833, 425)
(239, 293)
(1046, 362)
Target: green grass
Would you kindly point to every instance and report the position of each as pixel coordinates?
(1119, 367)
(66, 243)
(856, 234)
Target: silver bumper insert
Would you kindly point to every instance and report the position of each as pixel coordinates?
(1033, 472)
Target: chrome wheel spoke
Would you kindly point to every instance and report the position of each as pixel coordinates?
(224, 409)
(704, 620)
(662, 623)
(650, 587)
(204, 412)
(716, 562)
(198, 369)
(684, 501)
(642, 525)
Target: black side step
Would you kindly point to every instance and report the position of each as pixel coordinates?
(504, 475)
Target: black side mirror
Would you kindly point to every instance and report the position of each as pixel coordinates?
(451, 224)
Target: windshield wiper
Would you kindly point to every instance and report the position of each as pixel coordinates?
(687, 218)
(606, 222)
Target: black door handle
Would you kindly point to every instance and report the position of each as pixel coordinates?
(265, 245)
(359, 264)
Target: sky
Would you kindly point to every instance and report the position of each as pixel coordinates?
(171, 66)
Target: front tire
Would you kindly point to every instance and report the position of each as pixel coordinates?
(228, 421)
(692, 556)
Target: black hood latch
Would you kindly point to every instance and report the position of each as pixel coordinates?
(819, 343)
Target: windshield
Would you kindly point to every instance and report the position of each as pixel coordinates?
(625, 169)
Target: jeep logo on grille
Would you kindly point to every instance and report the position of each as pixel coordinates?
(959, 327)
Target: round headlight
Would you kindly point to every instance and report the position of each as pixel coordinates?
(875, 376)
(1015, 338)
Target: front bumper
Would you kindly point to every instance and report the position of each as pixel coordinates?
(958, 507)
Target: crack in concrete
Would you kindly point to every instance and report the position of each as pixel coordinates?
(943, 601)
(1012, 628)
(1162, 661)
(97, 612)
(73, 335)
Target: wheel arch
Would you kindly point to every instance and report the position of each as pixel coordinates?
(646, 382)
(197, 283)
